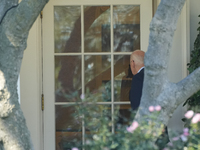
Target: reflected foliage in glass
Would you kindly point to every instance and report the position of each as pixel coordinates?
(67, 77)
(68, 127)
(123, 114)
(126, 24)
(94, 18)
(122, 77)
(98, 75)
(126, 14)
(67, 29)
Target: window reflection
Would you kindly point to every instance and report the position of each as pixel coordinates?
(67, 29)
(68, 127)
(124, 115)
(123, 77)
(94, 18)
(126, 24)
(126, 37)
(126, 14)
(98, 75)
(67, 77)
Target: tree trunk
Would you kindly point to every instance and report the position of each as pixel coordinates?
(157, 89)
(14, 28)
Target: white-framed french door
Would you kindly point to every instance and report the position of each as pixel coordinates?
(87, 44)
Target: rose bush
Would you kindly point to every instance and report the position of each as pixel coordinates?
(99, 135)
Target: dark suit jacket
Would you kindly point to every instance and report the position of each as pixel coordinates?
(136, 89)
(135, 97)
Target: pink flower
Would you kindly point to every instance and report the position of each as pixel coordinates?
(129, 129)
(185, 130)
(151, 108)
(82, 96)
(186, 134)
(75, 148)
(132, 127)
(158, 108)
(135, 124)
(196, 118)
(189, 114)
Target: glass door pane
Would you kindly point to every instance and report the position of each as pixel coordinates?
(68, 127)
(67, 29)
(126, 24)
(124, 116)
(122, 77)
(98, 75)
(67, 77)
(95, 19)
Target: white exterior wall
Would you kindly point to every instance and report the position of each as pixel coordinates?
(194, 20)
(179, 58)
(30, 86)
(30, 78)
(191, 30)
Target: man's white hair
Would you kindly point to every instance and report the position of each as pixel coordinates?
(138, 59)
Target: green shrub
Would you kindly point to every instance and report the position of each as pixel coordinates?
(99, 135)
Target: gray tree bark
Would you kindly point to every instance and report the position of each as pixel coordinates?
(157, 89)
(15, 23)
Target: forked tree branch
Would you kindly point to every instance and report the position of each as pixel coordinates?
(162, 29)
(188, 86)
(157, 89)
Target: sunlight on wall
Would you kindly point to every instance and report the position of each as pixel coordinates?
(2, 80)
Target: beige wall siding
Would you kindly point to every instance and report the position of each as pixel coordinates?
(194, 20)
(30, 86)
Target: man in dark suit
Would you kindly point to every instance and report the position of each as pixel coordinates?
(137, 69)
